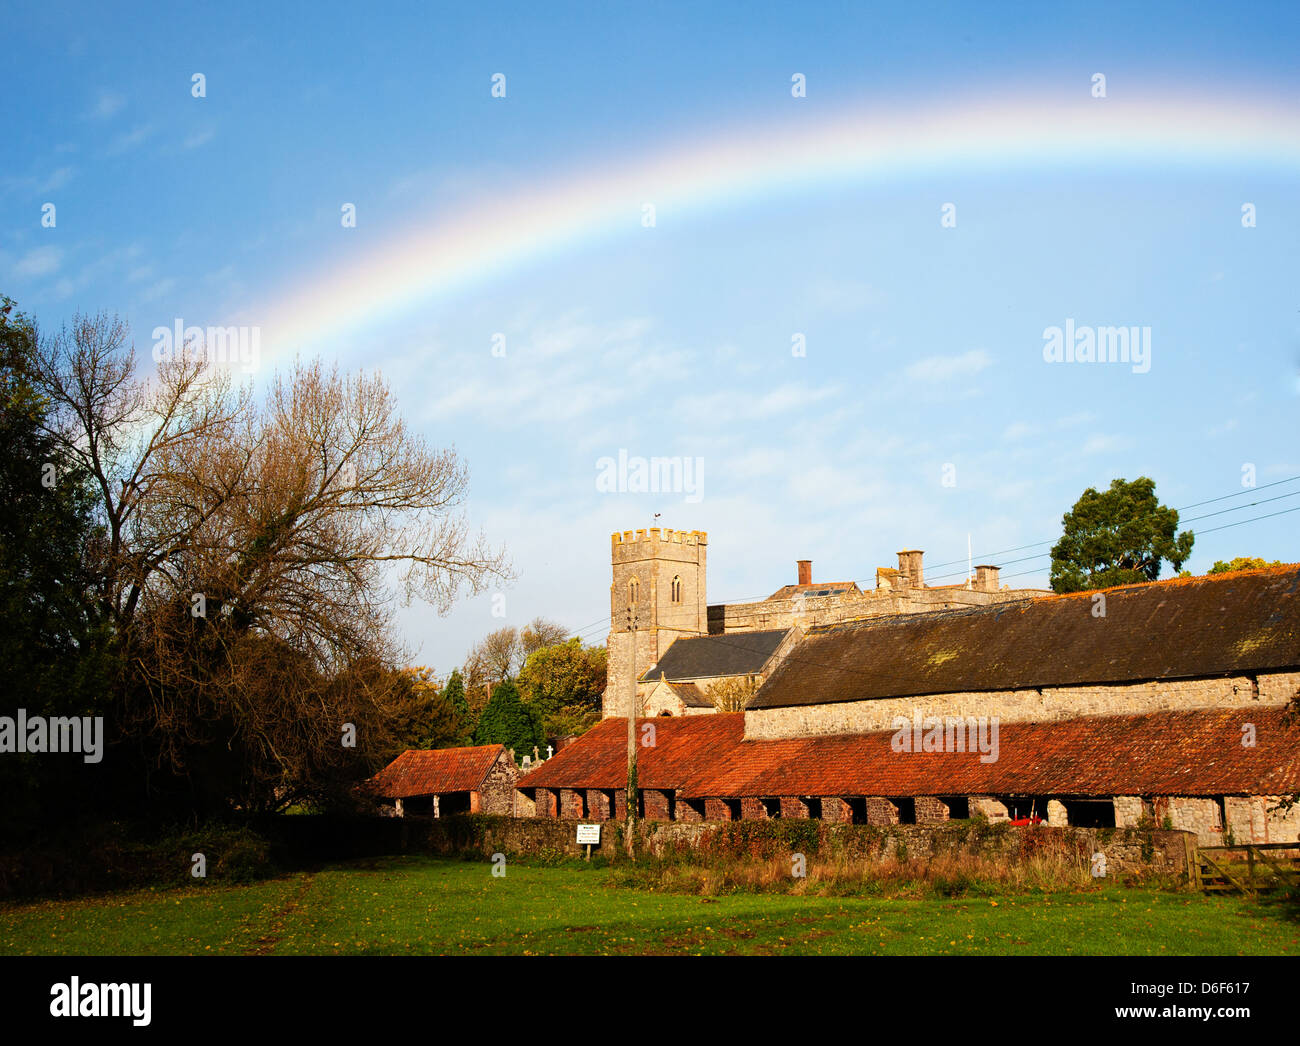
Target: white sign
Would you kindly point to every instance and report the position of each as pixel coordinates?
(589, 833)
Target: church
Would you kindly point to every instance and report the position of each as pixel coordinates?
(1169, 703)
(668, 643)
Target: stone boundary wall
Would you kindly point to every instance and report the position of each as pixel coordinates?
(1272, 689)
(1128, 851)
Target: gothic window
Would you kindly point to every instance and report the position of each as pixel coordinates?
(634, 592)
(677, 589)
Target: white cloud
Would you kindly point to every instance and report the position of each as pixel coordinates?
(845, 296)
(57, 180)
(732, 406)
(1018, 430)
(945, 368)
(158, 289)
(1101, 444)
(106, 105)
(131, 140)
(39, 261)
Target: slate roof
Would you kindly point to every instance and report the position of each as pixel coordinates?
(702, 657)
(1217, 625)
(692, 695)
(1164, 753)
(436, 772)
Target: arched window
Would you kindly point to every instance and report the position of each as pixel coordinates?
(677, 589)
(634, 592)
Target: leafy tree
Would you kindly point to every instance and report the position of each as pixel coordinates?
(55, 645)
(502, 654)
(454, 694)
(436, 718)
(571, 720)
(1116, 537)
(565, 674)
(1242, 563)
(507, 720)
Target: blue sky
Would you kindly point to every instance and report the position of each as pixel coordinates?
(923, 343)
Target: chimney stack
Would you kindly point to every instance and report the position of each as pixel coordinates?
(986, 578)
(805, 571)
(909, 564)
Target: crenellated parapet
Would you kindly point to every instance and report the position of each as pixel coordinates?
(659, 534)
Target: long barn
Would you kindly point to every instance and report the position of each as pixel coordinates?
(1168, 703)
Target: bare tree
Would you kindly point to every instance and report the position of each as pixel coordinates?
(733, 693)
(498, 655)
(251, 547)
(540, 633)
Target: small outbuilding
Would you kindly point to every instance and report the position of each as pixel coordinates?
(445, 781)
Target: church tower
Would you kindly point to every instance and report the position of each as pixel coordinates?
(657, 596)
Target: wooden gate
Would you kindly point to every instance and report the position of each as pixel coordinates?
(1247, 867)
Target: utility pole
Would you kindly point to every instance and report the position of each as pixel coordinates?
(630, 828)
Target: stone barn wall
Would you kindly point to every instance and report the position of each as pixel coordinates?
(497, 794)
(1128, 851)
(1272, 689)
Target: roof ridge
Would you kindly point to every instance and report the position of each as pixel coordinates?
(1051, 597)
(1175, 581)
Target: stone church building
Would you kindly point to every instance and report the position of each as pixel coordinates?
(1168, 703)
(657, 598)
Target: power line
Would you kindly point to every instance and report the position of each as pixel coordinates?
(602, 623)
(930, 615)
(1208, 530)
(1184, 508)
(1193, 519)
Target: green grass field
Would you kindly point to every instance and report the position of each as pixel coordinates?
(424, 906)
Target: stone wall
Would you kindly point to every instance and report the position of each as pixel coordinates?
(851, 606)
(1249, 819)
(497, 795)
(1258, 819)
(1128, 852)
(1273, 689)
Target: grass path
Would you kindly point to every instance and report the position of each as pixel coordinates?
(430, 906)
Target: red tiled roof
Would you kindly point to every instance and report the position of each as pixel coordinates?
(436, 772)
(1165, 753)
(823, 588)
(598, 759)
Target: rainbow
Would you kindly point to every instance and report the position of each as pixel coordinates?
(591, 203)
